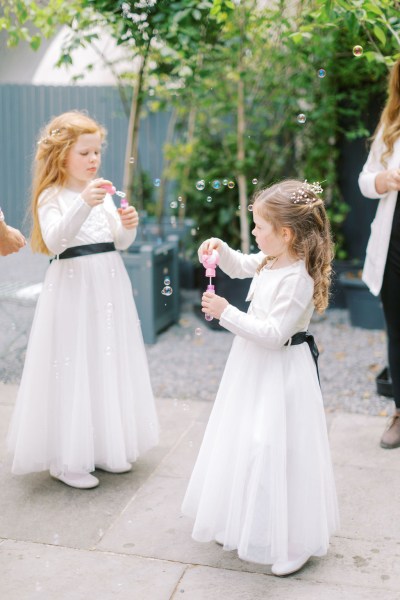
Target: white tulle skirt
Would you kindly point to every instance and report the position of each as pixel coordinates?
(85, 396)
(263, 482)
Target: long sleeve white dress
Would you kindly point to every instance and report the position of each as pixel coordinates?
(263, 480)
(85, 396)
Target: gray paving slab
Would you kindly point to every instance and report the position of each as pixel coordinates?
(26, 499)
(39, 572)
(205, 583)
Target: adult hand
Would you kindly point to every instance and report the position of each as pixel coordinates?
(129, 217)
(387, 181)
(94, 193)
(11, 240)
(208, 246)
(213, 305)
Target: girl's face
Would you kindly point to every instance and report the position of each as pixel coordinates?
(268, 240)
(83, 160)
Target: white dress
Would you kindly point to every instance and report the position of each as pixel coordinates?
(85, 396)
(263, 481)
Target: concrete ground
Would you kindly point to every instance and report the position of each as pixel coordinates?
(128, 539)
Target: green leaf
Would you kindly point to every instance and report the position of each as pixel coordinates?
(35, 42)
(380, 34)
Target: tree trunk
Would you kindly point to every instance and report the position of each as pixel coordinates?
(186, 173)
(241, 178)
(131, 153)
(160, 208)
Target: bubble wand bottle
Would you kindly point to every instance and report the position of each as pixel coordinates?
(210, 262)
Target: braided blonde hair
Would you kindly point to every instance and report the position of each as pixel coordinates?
(283, 206)
(50, 164)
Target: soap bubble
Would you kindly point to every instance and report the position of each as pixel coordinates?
(167, 291)
(174, 204)
(225, 182)
(167, 281)
(321, 73)
(250, 207)
(208, 317)
(157, 182)
(131, 160)
(231, 184)
(209, 199)
(193, 231)
(216, 184)
(301, 118)
(200, 185)
(254, 181)
(198, 331)
(179, 198)
(358, 50)
(121, 194)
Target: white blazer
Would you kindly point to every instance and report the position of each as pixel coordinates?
(381, 226)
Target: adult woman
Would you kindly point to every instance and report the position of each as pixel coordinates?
(380, 178)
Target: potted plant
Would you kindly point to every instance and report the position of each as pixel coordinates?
(365, 309)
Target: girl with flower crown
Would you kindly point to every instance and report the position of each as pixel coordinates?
(263, 482)
(85, 400)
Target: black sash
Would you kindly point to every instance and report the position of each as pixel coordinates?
(300, 338)
(76, 251)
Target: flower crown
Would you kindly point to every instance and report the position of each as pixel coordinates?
(304, 191)
(52, 133)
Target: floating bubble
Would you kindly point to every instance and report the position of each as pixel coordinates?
(301, 118)
(225, 182)
(112, 273)
(157, 182)
(167, 281)
(321, 73)
(254, 181)
(200, 185)
(182, 205)
(209, 199)
(198, 331)
(180, 198)
(208, 317)
(120, 194)
(107, 351)
(67, 361)
(64, 243)
(174, 204)
(358, 50)
(216, 184)
(70, 273)
(193, 231)
(231, 184)
(131, 160)
(250, 207)
(167, 291)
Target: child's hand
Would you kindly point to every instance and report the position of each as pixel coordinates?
(129, 217)
(208, 246)
(213, 305)
(94, 193)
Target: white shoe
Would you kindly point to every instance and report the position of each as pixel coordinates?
(286, 567)
(82, 481)
(124, 469)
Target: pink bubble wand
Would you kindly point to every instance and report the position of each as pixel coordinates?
(210, 262)
(110, 189)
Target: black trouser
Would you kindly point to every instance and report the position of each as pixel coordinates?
(390, 296)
